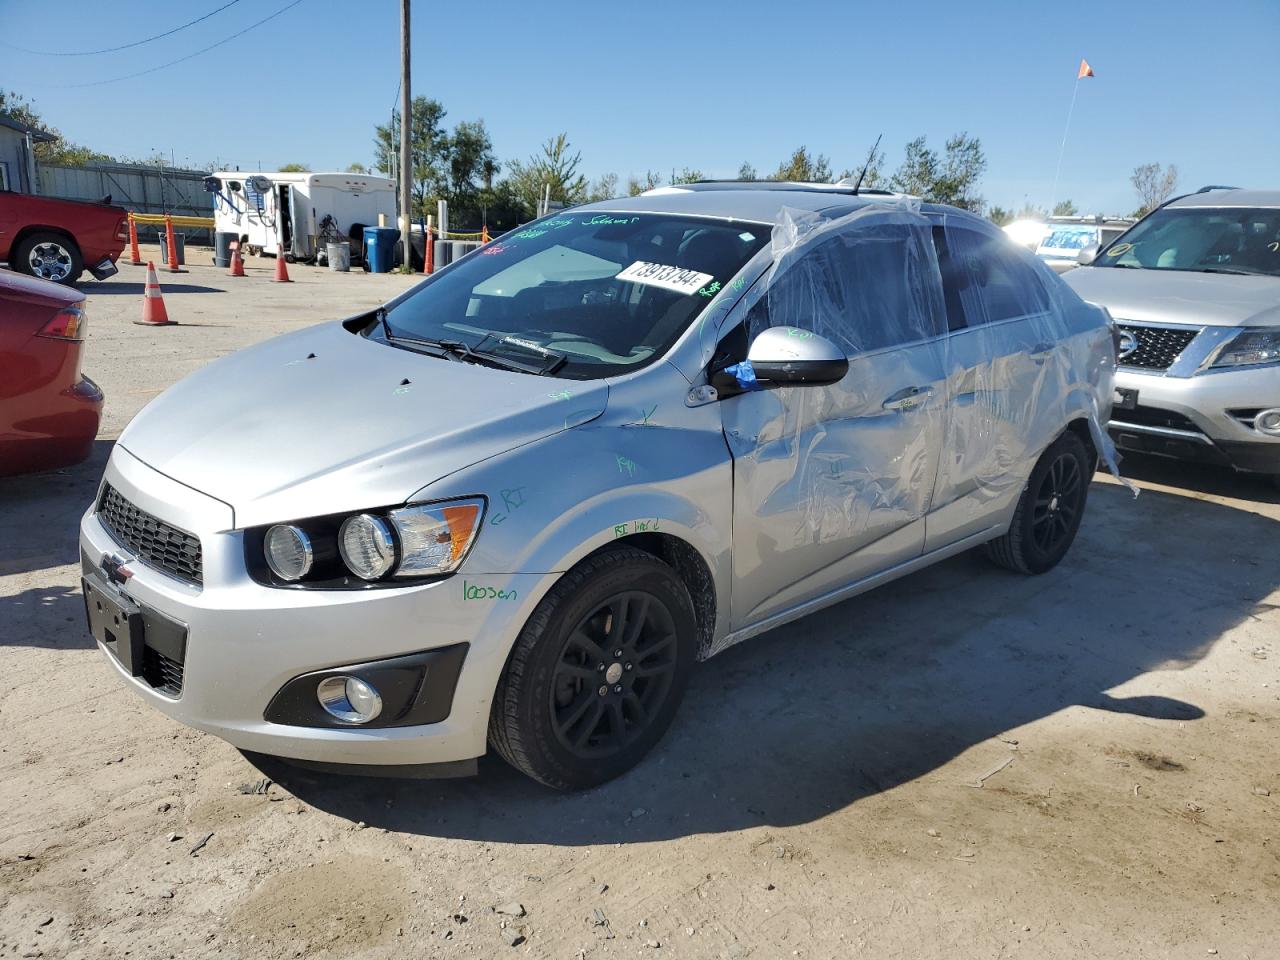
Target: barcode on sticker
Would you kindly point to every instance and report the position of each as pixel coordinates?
(679, 279)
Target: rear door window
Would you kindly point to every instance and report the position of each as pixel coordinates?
(986, 279)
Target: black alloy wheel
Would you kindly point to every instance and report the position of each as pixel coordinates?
(615, 671)
(1058, 502)
(1048, 513)
(598, 671)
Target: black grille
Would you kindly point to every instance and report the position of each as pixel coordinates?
(165, 547)
(1158, 347)
(1154, 417)
(161, 673)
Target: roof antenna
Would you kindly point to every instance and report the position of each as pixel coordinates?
(870, 156)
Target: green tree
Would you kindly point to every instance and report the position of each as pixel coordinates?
(746, 171)
(951, 178)
(1030, 211)
(557, 167)
(919, 169)
(1154, 185)
(687, 175)
(1000, 216)
(636, 186)
(294, 168)
(804, 168)
(357, 168)
(605, 188)
(428, 151)
(1064, 208)
(471, 168)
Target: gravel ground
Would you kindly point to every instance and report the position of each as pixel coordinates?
(965, 763)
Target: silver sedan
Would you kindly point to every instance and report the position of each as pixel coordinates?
(514, 506)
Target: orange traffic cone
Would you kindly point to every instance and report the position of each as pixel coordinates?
(237, 263)
(282, 271)
(153, 311)
(135, 257)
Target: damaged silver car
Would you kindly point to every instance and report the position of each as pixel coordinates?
(514, 506)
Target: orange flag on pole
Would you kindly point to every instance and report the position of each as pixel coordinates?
(1085, 70)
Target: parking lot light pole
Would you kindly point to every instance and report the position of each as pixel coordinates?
(406, 127)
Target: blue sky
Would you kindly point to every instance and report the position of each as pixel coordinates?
(699, 84)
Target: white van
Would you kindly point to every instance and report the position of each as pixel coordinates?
(294, 213)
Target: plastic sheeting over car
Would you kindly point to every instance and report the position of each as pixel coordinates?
(967, 358)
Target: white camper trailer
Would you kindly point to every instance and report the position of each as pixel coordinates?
(297, 212)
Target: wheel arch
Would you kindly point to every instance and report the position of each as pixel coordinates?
(692, 569)
(31, 229)
(1081, 428)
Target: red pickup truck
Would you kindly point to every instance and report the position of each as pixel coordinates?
(59, 239)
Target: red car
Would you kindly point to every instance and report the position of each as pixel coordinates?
(49, 411)
(59, 239)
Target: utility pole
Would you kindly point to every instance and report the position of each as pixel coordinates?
(406, 127)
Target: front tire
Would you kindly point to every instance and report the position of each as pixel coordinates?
(1049, 511)
(596, 675)
(50, 256)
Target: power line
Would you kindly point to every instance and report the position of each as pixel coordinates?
(174, 63)
(127, 46)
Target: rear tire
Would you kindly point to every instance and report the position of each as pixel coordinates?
(621, 622)
(50, 256)
(1049, 511)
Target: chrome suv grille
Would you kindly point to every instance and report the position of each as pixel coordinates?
(165, 547)
(1158, 347)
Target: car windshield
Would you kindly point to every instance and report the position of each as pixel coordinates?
(1067, 238)
(1203, 239)
(577, 294)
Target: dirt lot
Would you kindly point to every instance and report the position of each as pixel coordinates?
(818, 796)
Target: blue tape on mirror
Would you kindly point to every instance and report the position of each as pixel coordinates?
(745, 374)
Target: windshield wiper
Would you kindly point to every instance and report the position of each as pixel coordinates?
(458, 350)
(554, 358)
(1234, 270)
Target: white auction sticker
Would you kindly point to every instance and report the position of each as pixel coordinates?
(678, 279)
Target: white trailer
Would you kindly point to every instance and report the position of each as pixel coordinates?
(295, 212)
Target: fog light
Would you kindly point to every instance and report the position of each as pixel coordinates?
(349, 699)
(1268, 422)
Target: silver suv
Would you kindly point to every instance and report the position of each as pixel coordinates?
(1195, 291)
(513, 506)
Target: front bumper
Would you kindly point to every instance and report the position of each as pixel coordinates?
(245, 642)
(1200, 417)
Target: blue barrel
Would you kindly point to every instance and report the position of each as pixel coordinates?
(380, 248)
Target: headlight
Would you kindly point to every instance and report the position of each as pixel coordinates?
(389, 544)
(435, 538)
(288, 551)
(1250, 347)
(366, 546)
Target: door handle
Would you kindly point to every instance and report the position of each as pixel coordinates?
(908, 398)
(1041, 352)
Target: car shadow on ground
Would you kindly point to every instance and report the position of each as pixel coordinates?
(884, 688)
(138, 288)
(39, 531)
(1201, 477)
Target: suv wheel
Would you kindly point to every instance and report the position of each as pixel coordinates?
(1049, 511)
(596, 675)
(50, 256)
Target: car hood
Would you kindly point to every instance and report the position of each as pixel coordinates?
(324, 421)
(1177, 296)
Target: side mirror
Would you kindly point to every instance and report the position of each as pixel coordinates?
(1087, 254)
(784, 356)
